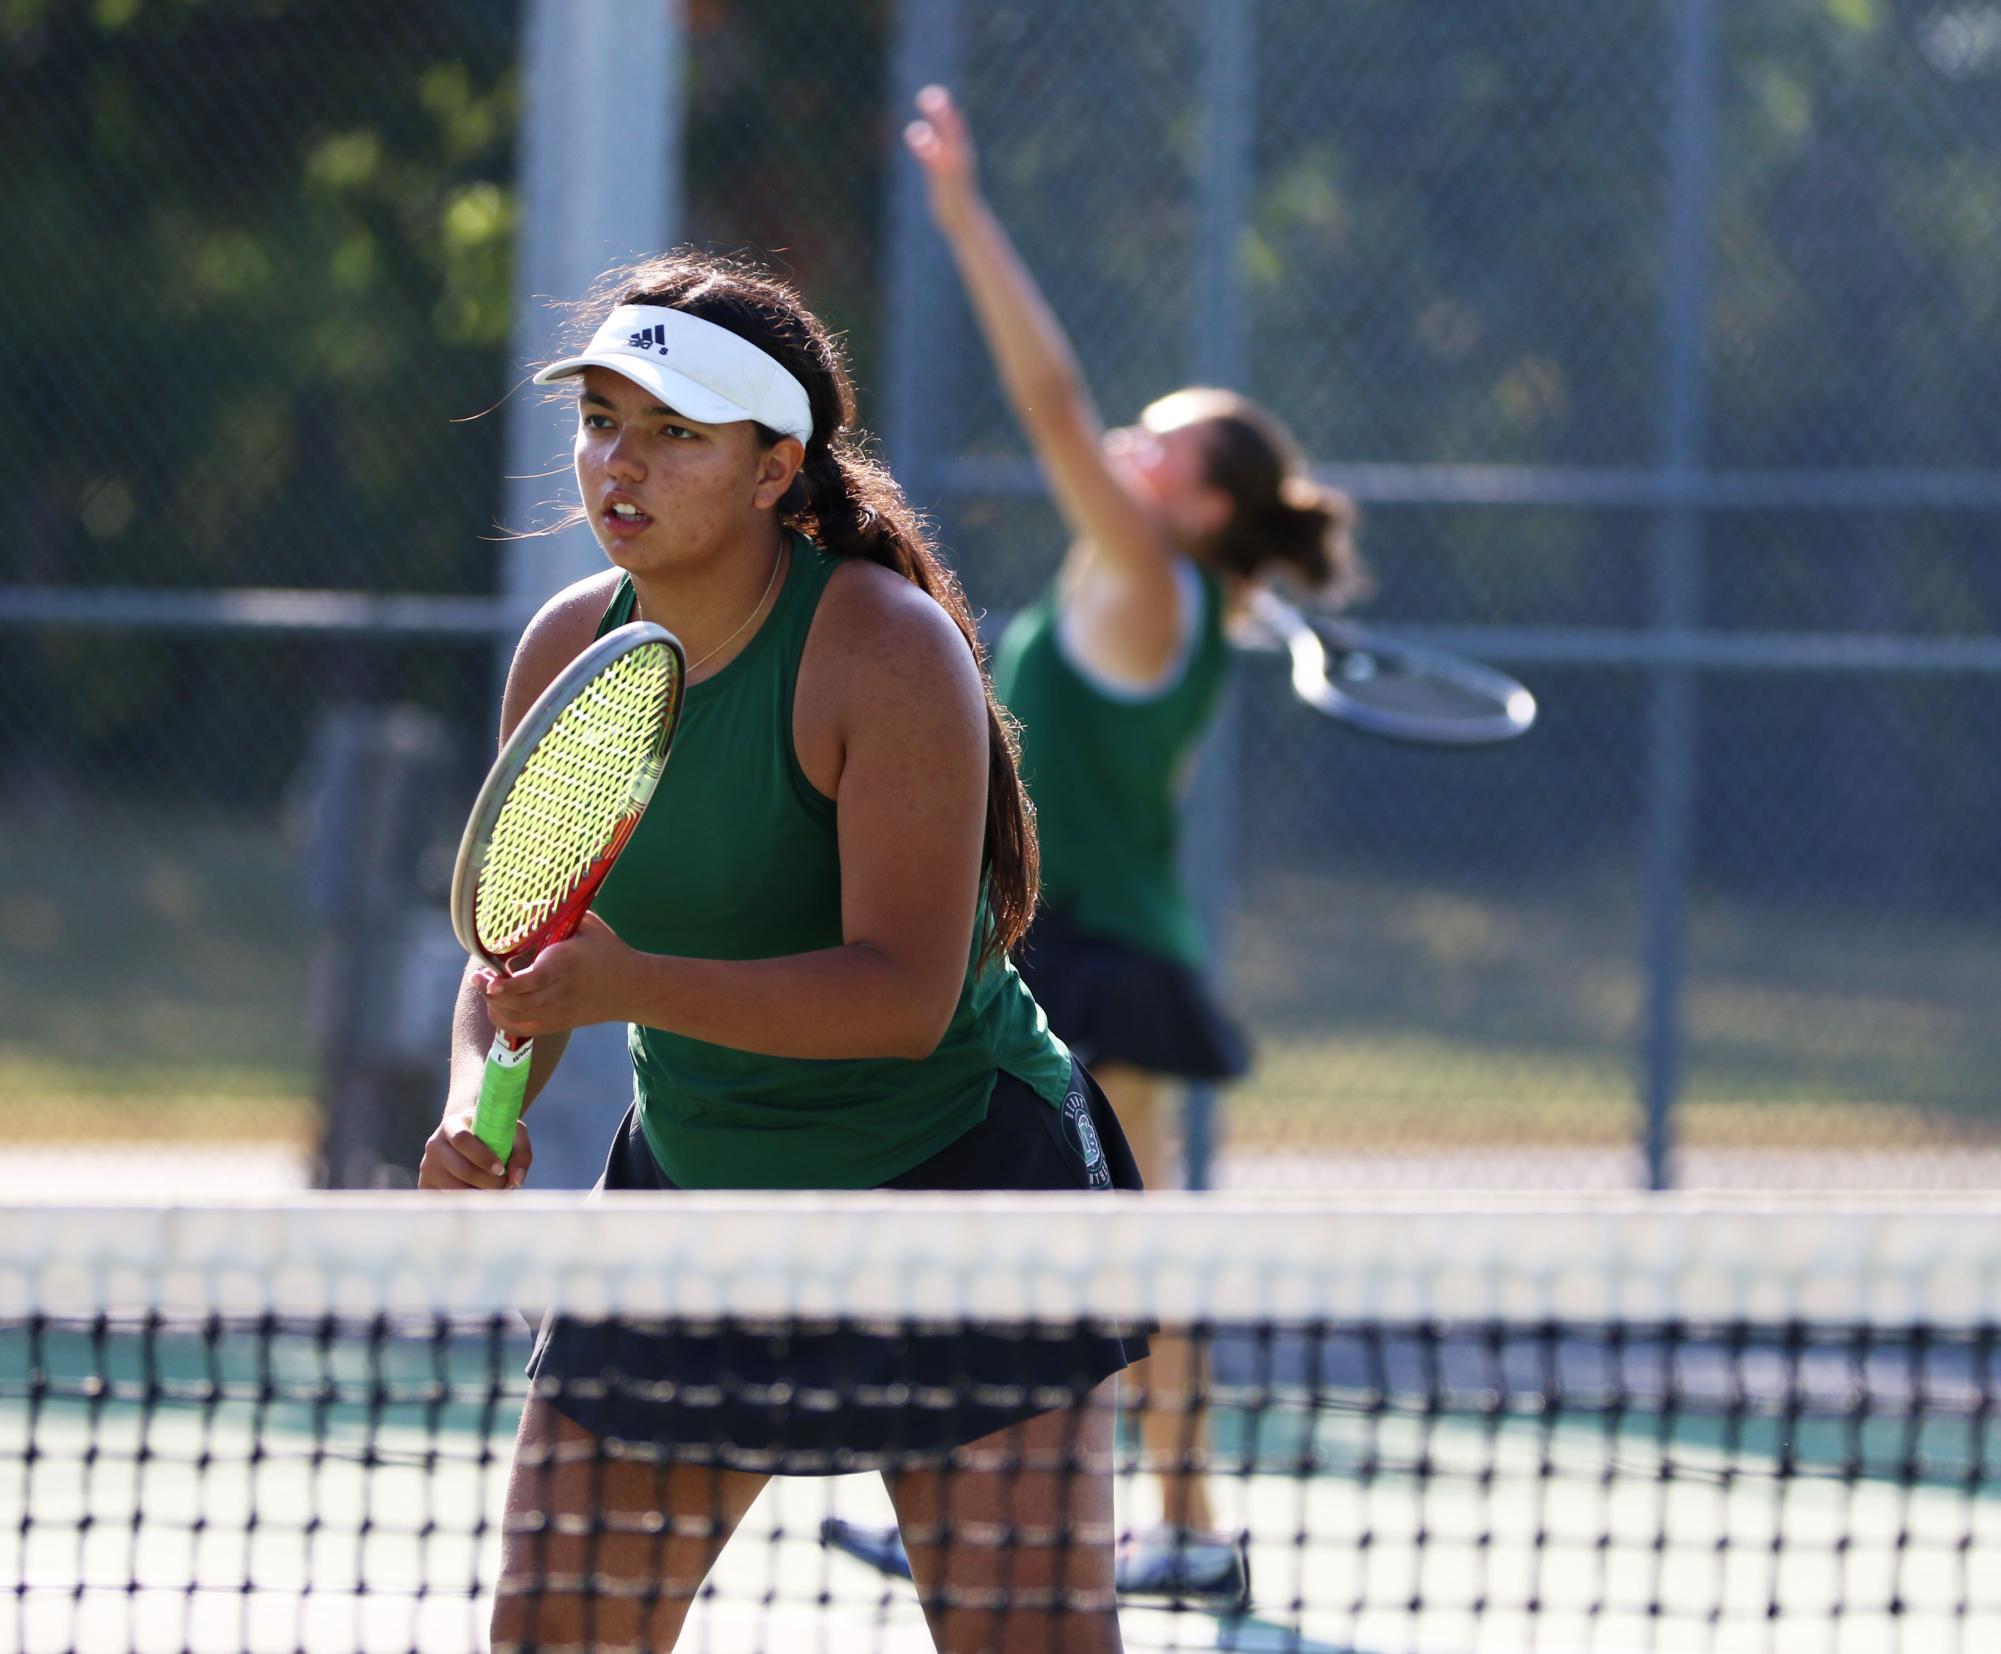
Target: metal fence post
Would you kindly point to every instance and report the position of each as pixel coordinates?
(1217, 356)
(602, 78)
(920, 285)
(1673, 735)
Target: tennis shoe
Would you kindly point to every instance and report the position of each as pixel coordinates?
(880, 1547)
(1188, 1565)
(1212, 1569)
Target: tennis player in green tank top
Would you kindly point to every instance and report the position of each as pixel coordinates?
(808, 938)
(1114, 675)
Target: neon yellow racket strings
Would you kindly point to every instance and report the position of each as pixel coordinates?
(592, 770)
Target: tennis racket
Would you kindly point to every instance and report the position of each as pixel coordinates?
(1395, 690)
(557, 807)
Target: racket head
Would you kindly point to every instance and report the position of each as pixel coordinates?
(565, 793)
(1397, 691)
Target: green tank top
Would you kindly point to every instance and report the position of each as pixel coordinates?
(736, 858)
(1105, 772)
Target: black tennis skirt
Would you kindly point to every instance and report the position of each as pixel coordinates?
(826, 1398)
(1111, 1002)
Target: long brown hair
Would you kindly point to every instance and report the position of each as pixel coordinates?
(845, 500)
(1280, 520)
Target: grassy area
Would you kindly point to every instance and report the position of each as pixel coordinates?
(1396, 1014)
(155, 974)
(157, 986)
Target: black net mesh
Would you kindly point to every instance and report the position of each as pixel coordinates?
(1426, 1427)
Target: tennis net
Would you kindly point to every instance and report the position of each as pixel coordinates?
(1485, 1424)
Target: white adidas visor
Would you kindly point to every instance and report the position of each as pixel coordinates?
(694, 367)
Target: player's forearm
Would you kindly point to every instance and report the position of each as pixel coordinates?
(1031, 352)
(853, 1001)
(472, 1038)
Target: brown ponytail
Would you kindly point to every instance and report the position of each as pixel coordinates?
(1281, 520)
(845, 499)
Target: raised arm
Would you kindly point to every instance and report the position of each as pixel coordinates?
(1037, 367)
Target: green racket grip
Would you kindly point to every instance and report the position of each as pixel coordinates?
(503, 1088)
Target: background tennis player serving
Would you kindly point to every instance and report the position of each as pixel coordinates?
(808, 935)
(1115, 672)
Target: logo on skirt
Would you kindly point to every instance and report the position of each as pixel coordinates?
(1083, 1135)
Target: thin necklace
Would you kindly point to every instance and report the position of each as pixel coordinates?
(770, 581)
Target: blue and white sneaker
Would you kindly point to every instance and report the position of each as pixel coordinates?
(880, 1547)
(1212, 1570)
(1208, 1570)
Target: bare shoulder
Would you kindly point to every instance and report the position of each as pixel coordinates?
(561, 630)
(873, 623)
(885, 669)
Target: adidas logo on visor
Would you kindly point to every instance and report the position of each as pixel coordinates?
(715, 374)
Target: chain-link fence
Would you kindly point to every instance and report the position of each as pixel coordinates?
(1657, 340)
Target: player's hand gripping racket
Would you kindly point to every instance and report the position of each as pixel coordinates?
(1396, 690)
(558, 806)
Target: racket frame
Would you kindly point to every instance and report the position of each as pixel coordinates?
(1315, 646)
(503, 1087)
(513, 757)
